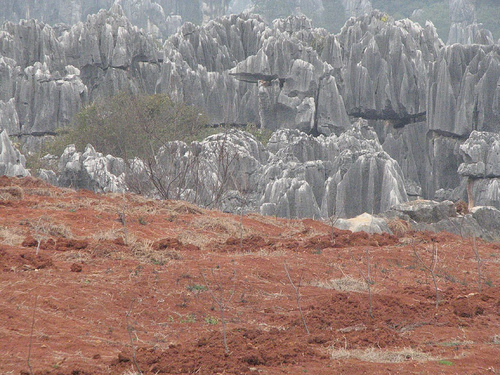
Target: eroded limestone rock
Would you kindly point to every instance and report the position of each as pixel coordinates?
(12, 162)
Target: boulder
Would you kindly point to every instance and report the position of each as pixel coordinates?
(425, 211)
(488, 218)
(364, 223)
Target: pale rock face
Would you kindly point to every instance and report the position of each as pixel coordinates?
(49, 101)
(9, 120)
(9, 73)
(481, 153)
(12, 162)
(385, 65)
(464, 89)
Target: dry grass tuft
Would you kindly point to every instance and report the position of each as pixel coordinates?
(399, 227)
(183, 207)
(11, 193)
(261, 253)
(49, 192)
(224, 227)
(11, 237)
(143, 250)
(381, 356)
(46, 226)
(109, 235)
(344, 284)
(270, 220)
(197, 239)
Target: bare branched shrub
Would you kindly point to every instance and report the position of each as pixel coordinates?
(44, 227)
(296, 288)
(431, 267)
(222, 298)
(479, 264)
(367, 278)
(122, 217)
(41, 227)
(332, 221)
(222, 171)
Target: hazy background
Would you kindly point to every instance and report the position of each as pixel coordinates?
(330, 14)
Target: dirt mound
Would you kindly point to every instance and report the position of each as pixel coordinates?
(121, 274)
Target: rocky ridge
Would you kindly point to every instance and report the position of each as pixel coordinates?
(422, 98)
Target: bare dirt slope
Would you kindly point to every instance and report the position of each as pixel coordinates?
(122, 282)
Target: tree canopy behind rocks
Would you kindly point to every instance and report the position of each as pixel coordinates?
(129, 126)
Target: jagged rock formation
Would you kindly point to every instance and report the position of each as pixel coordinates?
(385, 64)
(481, 154)
(154, 16)
(12, 162)
(296, 176)
(464, 28)
(482, 222)
(91, 170)
(463, 97)
(422, 98)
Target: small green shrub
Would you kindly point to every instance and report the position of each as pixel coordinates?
(446, 363)
(196, 288)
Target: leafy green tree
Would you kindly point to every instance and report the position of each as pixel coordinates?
(130, 126)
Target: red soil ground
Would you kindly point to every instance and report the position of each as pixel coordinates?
(122, 282)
